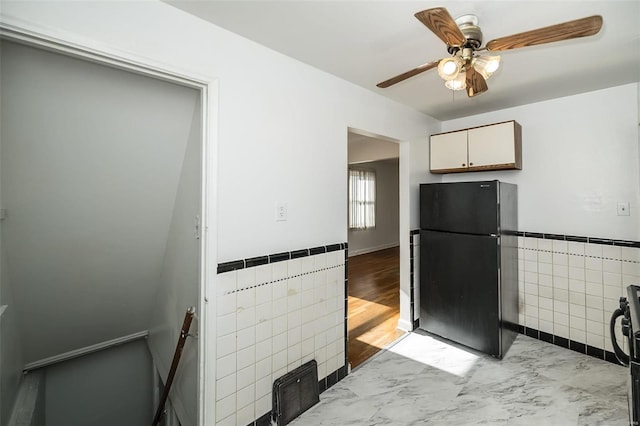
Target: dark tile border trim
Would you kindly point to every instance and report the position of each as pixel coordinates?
(581, 239)
(256, 261)
(333, 378)
(569, 344)
(299, 253)
(546, 337)
(561, 341)
(578, 347)
(534, 235)
(595, 352)
(317, 250)
(623, 243)
(277, 257)
(552, 237)
(230, 266)
(576, 238)
(334, 247)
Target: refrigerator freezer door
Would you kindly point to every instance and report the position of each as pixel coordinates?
(464, 207)
(459, 293)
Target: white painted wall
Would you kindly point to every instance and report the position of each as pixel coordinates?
(179, 283)
(580, 158)
(385, 234)
(110, 387)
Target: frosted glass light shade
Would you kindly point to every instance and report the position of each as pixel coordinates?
(486, 65)
(449, 68)
(458, 83)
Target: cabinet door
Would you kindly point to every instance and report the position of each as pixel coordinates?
(492, 145)
(449, 151)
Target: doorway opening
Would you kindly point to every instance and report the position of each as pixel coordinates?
(373, 237)
(102, 182)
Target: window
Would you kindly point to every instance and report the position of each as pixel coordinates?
(362, 199)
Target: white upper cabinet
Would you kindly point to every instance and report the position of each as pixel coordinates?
(493, 147)
(449, 151)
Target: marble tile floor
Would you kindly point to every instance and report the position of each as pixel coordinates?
(421, 380)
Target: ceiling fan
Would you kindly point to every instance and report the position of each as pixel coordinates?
(466, 68)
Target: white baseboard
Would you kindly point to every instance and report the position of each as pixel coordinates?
(405, 325)
(371, 249)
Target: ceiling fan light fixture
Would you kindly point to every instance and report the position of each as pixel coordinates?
(486, 65)
(458, 83)
(449, 68)
(463, 39)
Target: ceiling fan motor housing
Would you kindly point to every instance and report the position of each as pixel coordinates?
(468, 25)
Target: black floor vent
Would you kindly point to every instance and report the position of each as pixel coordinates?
(295, 392)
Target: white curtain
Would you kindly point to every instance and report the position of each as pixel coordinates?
(362, 199)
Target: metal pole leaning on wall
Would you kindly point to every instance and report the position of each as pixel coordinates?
(184, 333)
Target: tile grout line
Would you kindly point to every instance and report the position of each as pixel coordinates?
(577, 254)
(280, 279)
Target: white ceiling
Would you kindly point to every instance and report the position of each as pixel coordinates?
(366, 42)
(364, 148)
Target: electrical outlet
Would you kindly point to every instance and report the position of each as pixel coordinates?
(281, 212)
(623, 209)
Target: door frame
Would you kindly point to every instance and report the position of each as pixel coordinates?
(60, 42)
(407, 294)
(405, 322)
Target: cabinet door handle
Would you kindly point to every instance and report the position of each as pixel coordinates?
(471, 164)
(463, 164)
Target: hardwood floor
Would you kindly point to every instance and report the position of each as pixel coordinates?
(374, 303)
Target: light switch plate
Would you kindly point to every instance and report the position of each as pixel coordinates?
(623, 209)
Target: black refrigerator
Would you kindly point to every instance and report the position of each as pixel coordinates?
(469, 263)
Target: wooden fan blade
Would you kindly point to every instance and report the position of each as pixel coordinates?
(476, 83)
(404, 76)
(442, 24)
(573, 29)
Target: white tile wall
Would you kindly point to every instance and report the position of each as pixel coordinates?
(272, 319)
(570, 289)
